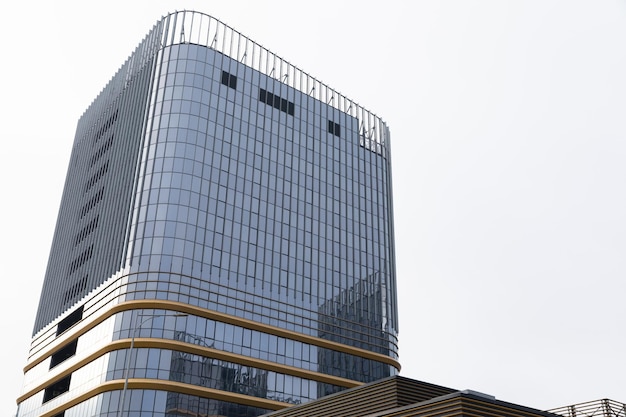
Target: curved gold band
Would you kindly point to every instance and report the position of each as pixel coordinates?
(214, 315)
(170, 386)
(200, 350)
(196, 350)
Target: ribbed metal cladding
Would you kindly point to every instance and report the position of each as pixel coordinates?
(89, 240)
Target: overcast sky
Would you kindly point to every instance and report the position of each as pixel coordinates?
(508, 128)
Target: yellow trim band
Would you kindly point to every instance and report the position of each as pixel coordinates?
(222, 317)
(171, 386)
(195, 350)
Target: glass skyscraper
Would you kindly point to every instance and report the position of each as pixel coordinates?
(224, 245)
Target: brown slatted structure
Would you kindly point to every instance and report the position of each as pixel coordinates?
(403, 397)
(385, 394)
(462, 404)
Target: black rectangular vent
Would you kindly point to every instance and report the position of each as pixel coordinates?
(63, 354)
(80, 260)
(85, 231)
(106, 126)
(276, 101)
(56, 389)
(101, 151)
(70, 320)
(97, 176)
(334, 128)
(229, 80)
(91, 203)
(76, 289)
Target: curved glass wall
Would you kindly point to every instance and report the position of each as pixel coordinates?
(284, 215)
(203, 370)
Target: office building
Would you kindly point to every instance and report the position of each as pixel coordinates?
(224, 245)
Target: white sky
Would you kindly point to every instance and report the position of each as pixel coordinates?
(508, 139)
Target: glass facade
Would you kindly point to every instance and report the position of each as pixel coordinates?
(224, 243)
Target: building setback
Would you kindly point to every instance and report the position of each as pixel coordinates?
(403, 397)
(224, 245)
